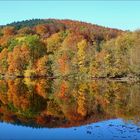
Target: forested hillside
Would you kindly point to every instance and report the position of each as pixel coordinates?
(55, 48)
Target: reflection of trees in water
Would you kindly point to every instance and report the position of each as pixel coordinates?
(66, 103)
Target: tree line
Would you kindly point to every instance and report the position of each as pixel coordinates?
(66, 48)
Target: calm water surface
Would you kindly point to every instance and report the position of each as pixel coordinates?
(69, 110)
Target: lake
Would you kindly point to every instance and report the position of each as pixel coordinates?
(34, 109)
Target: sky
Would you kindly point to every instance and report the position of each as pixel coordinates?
(115, 14)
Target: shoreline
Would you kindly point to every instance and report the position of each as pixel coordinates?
(121, 79)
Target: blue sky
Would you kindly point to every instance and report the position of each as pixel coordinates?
(117, 14)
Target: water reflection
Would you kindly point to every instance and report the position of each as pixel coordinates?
(67, 103)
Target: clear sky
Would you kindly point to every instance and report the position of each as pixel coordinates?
(117, 14)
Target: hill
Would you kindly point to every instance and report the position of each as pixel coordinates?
(86, 29)
(52, 47)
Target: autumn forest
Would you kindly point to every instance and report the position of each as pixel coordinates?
(65, 48)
